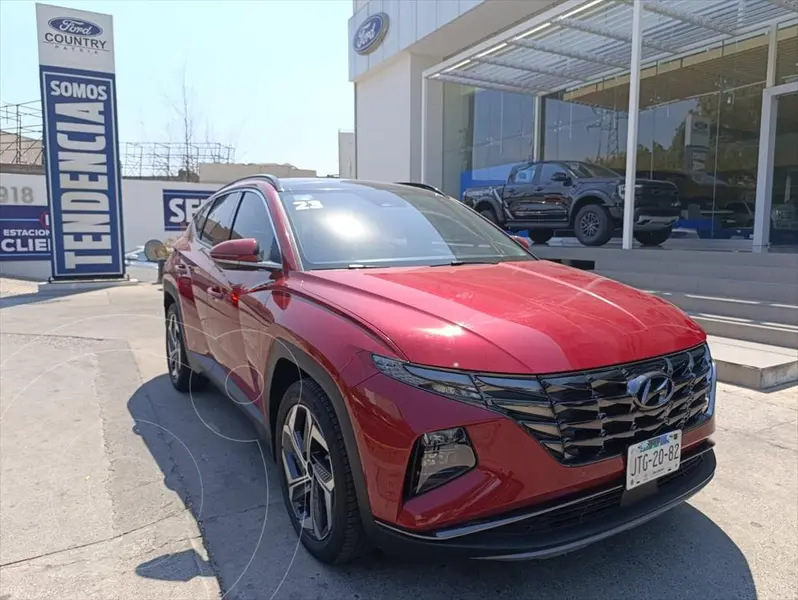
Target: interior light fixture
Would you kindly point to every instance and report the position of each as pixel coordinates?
(458, 65)
(580, 9)
(492, 50)
(540, 27)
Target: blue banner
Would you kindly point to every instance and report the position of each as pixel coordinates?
(83, 178)
(24, 232)
(179, 207)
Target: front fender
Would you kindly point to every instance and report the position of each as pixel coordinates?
(334, 387)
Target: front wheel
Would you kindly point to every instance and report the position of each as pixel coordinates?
(490, 215)
(593, 225)
(316, 478)
(181, 375)
(653, 238)
(540, 236)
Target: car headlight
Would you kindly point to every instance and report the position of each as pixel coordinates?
(622, 189)
(459, 386)
(439, 457)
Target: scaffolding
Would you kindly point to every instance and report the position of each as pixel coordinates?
(171, 160)
(21, 145)
(21, 133)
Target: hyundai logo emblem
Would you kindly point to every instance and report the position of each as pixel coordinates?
(651, 390)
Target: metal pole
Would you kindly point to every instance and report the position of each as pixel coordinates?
(424, 92)
(631, 136)
(537, 133)
(767, 145)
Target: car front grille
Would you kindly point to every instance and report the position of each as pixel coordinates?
(591, 415)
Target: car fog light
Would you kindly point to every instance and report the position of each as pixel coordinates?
(440, 457)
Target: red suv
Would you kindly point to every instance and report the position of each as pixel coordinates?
(428, 385)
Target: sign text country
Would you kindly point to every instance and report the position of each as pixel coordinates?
(76, 69)
(83, 174)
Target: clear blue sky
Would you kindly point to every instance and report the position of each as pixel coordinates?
(269, 77)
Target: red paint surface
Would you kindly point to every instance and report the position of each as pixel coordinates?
(522, 318)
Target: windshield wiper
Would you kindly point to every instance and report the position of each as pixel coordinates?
(457, 263)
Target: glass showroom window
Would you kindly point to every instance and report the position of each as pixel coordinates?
(485, 133)
(698, 128)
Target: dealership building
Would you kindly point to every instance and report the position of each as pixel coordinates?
(704, 92)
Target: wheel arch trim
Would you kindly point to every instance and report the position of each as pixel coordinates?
(283, 349)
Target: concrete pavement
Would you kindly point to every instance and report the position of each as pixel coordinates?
(112, 485)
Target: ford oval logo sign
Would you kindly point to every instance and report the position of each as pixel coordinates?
(75, 26)
(370, 34)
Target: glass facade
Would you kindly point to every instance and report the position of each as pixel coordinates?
(485, 132)
(699, 127)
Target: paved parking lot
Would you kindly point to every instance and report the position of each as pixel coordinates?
(112, 485)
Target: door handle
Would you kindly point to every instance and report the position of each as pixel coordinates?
(216, 293)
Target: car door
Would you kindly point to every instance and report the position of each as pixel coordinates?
(520, 189)
(187, 254)
(552, 193)
(252, 340)
(213, 294)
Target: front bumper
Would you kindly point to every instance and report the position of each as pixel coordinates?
(649, 218)
(561, 527)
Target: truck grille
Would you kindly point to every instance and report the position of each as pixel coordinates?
(588, 416)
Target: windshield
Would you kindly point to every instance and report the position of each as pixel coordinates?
(582, 169)
(371, 225)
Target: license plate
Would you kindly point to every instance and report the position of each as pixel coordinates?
(648, 460)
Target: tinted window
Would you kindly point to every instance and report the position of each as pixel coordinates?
(525, 175)
(199, 217)
(547, 170)
(581, 169)
(253, 221)
(220, 219)
(387, 225)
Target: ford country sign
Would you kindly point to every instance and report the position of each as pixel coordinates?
(75, 27)
(370, 34)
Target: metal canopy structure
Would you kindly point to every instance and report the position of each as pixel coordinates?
(581, 41)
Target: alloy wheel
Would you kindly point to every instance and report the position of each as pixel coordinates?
(308, 472)
(589, 224)
(173, 346)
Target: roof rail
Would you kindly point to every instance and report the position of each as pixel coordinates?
(423, 186)
(272, 179)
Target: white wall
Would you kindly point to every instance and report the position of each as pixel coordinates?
(346, 154)
(142, 211)
(408, 22)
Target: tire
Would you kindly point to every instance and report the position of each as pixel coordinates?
(490, 215)
(338, 537)
(540, 236)
(653, 238)
(183, 378)
(593, 225)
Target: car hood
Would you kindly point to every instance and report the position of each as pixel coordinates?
(513, 317)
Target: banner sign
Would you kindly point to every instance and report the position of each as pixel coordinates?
(179, 207)
(24, 232)
(76, 68)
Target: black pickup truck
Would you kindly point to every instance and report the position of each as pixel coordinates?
(548, 196)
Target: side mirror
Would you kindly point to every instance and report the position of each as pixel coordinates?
(237, 251)
(242, 254)
(560, 176)
(521, 241)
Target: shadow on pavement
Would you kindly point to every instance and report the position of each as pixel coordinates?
(178, 566)
(209, 455)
